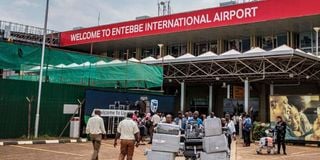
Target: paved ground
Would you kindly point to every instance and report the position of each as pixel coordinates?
(82, 151)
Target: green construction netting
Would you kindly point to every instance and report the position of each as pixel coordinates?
(121, 74)
(23, 57)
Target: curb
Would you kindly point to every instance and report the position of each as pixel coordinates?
(5, 143)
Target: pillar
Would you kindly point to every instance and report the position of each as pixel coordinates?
(138, 53)
(189, 47)
(263, 108)
(182, 96)
(271, 89)
(210, 99)
(246, 95)
(228, 91)
(116, 54)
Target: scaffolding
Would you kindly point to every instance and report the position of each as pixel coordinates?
(12, 31)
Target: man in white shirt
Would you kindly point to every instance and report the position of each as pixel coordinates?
(231, 132)
(128, 132)
(155, 119)
(95, 128)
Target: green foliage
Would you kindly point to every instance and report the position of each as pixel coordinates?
(259, 130)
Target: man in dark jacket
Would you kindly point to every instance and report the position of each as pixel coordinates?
(281, 134)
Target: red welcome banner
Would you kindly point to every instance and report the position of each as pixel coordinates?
(252, 12)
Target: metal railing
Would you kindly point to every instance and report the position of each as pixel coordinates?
(25, 33)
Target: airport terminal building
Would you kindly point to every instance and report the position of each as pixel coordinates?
(259, 57)
(244, 52)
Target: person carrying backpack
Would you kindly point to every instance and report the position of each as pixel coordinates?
(247, 125)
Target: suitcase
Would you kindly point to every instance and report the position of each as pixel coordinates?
(215, 144)
(165, 143)
(165, 128)
(214, 156)
(212, 127)
(155, 155)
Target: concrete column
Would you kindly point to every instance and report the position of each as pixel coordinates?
(228, 91)
(138, 53)
(210, 99)
(271, 89)
(182, 96)
(116, 54)
(263, 107)
(246, 95)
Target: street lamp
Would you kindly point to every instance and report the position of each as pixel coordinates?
(160, 46)
(36, 128)
(317, 39)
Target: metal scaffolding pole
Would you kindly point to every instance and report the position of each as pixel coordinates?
(36, 128)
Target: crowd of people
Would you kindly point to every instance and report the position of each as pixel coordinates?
(136, 126)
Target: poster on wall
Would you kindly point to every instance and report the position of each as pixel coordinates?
(301, 113)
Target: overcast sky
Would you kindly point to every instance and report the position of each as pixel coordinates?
(66, 14)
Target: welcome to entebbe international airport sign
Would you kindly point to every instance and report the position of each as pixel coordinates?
(264, 10)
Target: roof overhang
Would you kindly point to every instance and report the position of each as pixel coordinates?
(287, 64)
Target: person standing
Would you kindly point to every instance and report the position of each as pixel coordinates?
(95, 128)
(180, 121)
(246, 128)
(155, 119)
(231, 131)
(128, 132)
(196, 118)
(281, 134)
(212, 115)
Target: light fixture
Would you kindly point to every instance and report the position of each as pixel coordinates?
(291, 75)
(224, 85)
(307, 77)
(217, 78)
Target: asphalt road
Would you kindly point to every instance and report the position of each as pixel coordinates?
(82, 151)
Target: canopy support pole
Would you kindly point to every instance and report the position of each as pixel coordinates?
(246, 96)
(182, 96)
(210, 99)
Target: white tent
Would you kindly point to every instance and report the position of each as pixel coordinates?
(60, 66)
(148, 59)
(187, 55)
(230, 52)
(167, 57)
(207, 54)
(133, 60)
(255, 50)
(100, 63)
(283, 48)
(116, 61)
(72, 65)
(85, 64)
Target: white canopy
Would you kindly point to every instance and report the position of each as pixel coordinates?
(207, 54)
(148, 59)
(167, 57)
(283, 48)
(187, 55)
(100, 63)
(85, 64)
(231, 52)
(60, 66)
(133, 60)
(72, 65)
(255, 50)
(116, 61)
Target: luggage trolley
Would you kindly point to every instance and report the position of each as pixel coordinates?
(193, 141)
